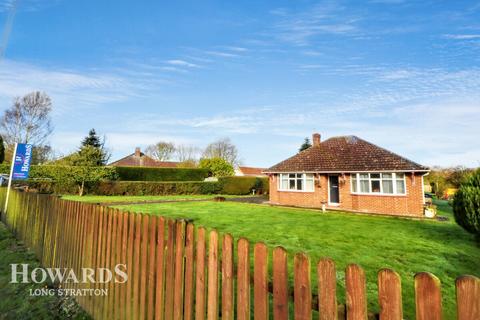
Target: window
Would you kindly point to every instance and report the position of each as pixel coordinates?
(364, 183)
(378, 183)
(400, 183)
(387, 183)
(354, 183)
(296, 182)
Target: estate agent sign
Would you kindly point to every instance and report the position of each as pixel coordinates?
(20, 168)
(22, 158)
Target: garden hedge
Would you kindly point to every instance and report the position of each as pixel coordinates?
(56, 172)
(121, 173)
(130, 188)
(243, 185)
(161, 174)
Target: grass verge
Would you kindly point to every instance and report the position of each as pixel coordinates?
(16, 302)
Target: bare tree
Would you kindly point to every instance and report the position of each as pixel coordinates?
(161, 151)
(186, 153)
(28, 120)
(223, 148)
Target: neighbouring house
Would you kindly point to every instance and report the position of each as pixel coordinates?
(140, 159)
(349, 173)
(249, 172)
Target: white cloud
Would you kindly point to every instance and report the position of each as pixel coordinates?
(182, 63)
(68, 88)
(324, 18)
(462, 36)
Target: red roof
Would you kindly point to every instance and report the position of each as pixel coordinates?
(251, 171)
(142, 160)
(345, 154)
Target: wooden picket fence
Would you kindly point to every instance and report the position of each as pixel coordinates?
(176, 271)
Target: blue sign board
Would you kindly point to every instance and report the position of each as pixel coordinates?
(21, 165)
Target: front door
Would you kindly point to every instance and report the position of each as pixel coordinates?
(333, 195)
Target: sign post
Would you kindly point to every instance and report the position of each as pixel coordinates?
(22, 155)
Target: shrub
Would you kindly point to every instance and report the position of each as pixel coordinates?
(243, 185)
(131, 188)
(139, 188)
(161, 174)
(217, 166)
(466, 204)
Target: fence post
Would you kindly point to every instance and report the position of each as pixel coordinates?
(327, 289)
(179, 271)
(227, 277)
(428, 298)
(212, 291)
(356, 293)
(160, 269)
(280, 284)
(390, 295)
(189, 272)
(243, 280)
(302, 293)
(200, 302)
(468, 298)
(260, 285)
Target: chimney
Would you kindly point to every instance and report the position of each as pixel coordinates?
(137, 152)
(316, 139)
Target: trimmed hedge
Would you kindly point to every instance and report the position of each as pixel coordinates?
(149, 188)
(60, 172)
(243, 185)
(161, 174)
(121, 173)
(128, 188)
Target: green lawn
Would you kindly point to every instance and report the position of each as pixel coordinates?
(16, 302)
(107, 199)
(374, 242)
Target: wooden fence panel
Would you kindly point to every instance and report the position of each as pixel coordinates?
(260, 284)
(390, 295)
(130, 271)
(143, 266)
(136, 267)
(200, 297)
(428, 298)
(243, 280)
(170, 271)
(227, 278)
(280, 284)
(159, 271)
(189, 272)
(302, 292)
(356, 295)
(327, 289)
(152, 246)
(468, 298)
(123, 260)
(212, 291)
(179, 271)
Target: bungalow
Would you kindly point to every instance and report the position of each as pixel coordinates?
(140, 159)
(349, 173)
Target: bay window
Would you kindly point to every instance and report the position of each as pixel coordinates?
(378, 183)
(296, 182)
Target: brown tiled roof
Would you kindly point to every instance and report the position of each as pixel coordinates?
(142, 161)
(346, 154)
(251, 171)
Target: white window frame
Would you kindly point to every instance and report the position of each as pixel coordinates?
(393, 179)
(304, 178)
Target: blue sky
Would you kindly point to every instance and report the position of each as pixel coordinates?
(402, 74)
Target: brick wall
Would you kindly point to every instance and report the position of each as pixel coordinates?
(410, 204)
